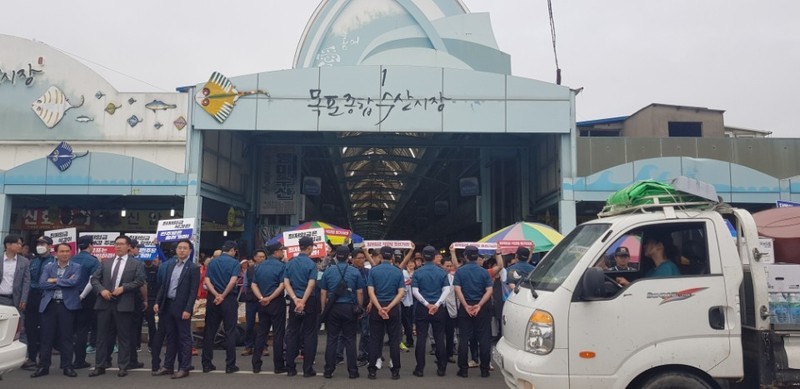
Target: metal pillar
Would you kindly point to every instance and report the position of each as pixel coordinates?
(485, 200)
(5, 214)
(193, 202)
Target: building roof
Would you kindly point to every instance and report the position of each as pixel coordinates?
(590, 123)
(679, 107)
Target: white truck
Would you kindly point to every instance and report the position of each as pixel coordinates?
(570, 324)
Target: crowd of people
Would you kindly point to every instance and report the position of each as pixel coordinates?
(359, 297)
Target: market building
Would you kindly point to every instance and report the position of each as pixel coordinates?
(399, 119)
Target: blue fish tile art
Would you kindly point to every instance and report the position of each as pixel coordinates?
(134, 120)
(62, 156)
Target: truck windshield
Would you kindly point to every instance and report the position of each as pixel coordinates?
(558, 264)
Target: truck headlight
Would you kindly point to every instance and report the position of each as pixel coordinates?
(539, 335)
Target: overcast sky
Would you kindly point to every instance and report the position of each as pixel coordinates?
(739, 56)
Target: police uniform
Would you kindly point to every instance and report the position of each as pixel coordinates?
(85, 318)
(385, 281)
(268, 276)
(430, 287)
(220, 271)
(473, 281)
(302, 326)
(339, 311)
(33, 318)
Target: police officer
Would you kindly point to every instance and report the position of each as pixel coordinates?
(386, 289)
(268, 289)
(222, 307)
(300, 281)
(151, 272)
(522, 265)
(430, 288)
(32, 316)
(342, 287)
(473, 288)
(85, 318)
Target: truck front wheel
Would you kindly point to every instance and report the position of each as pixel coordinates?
(676, 379)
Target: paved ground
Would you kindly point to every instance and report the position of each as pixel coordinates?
(218, 379)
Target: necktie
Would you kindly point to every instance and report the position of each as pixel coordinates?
(115, 271)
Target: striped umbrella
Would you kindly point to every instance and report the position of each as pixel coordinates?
(542, 235)
(337, 235)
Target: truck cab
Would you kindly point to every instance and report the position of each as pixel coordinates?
(578, 321)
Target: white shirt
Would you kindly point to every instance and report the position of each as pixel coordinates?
(408, 299)
(451, 301)
(121, 269)
(9, 270)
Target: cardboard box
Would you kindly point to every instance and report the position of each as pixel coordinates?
(783, 278)
(767, 248)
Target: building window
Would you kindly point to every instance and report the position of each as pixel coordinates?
(685, 129)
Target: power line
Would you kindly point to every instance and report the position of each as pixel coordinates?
(110, 69)
(553, 35)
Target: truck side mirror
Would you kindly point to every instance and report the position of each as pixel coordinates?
(593, 284)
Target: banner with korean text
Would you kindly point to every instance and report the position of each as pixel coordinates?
(174, 230)
(65, 235)
(149, 251)
(395, 244)
(103, 246)
(291, 239)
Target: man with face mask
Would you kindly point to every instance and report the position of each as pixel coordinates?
(33, 319)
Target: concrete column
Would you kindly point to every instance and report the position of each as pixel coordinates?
(485, 200)
(193, 202)
(5, 214)
(567, 214)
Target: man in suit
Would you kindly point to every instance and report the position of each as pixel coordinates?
(61, 299)
(116, 282)
(174, 305)
(15, 277)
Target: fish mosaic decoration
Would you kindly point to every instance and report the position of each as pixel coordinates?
(158, 105)
(111, 108)
(52, 106)
(218, 96)
(84, 119)
(131, 101)
(62, 156)
(158, 125)
(134, 120)
(99, 95)
(180, 123)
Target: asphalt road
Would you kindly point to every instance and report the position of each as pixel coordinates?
(141, 378)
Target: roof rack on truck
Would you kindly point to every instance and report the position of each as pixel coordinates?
(682, 192)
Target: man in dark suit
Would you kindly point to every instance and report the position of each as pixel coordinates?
(116, 282)
(15, 276)
(174, 305)
(61, 299)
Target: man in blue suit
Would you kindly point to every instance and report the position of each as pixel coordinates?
(61, 299)
(174, 305)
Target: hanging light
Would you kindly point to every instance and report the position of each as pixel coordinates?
(123, 212)
(225, 233)
(172, 212)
